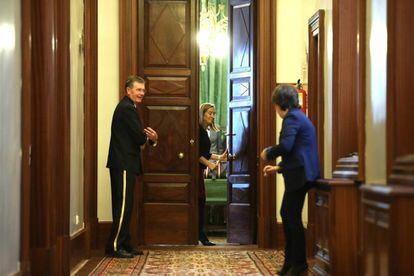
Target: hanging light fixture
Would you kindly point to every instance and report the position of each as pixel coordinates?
(212, 38)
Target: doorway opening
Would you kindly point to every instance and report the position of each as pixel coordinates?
(225, 41)
(158, 42)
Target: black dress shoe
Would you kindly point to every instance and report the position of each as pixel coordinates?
(296, 270)
(207, 243)
(134, 251)
(121, 253)
(285, 268)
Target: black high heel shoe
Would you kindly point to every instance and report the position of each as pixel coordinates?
(207, 243)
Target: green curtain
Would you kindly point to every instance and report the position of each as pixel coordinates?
(213, 79)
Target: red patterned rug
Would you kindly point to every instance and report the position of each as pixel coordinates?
(195, 262)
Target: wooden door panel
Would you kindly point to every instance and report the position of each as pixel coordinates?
(240, 226)
(168, 87)
(240, 27)
(168, 29)
(240, 89)
(167, 60)
(241, 114)
(240, 142)
(166, 223)
(240, 192)
(166, 192)
(173, 126)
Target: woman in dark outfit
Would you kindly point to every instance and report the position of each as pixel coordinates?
(206, 121)
(300, 167)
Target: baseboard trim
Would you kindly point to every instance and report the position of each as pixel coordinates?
(78, 248)
(104, 229)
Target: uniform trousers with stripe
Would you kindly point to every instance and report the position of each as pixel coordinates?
(122, 188)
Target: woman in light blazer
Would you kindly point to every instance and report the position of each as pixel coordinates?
(206, 121)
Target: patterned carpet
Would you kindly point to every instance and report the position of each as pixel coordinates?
(196, 262)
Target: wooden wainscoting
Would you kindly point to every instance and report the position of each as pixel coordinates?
(335, 227)
(388, 228)
(104, 229)
(77, 248)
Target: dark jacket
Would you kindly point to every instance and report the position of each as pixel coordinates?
(297, 145)
(127, 137)
(204, 146)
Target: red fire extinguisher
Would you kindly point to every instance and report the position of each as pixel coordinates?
(302, 95)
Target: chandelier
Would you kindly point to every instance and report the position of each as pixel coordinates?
(213, 40)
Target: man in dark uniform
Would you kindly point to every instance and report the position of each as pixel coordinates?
(124, 163)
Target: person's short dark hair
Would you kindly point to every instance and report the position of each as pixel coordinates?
(286, 97)
(131, 79)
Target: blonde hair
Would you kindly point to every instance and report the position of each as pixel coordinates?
(203, 109)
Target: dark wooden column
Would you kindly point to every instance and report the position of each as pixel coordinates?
(387, 210)
(46, 217)
(334, 206)
(266, 120)
(91, 123)
(348, 108)
(26, 135)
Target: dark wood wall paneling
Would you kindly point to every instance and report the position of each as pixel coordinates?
(335, 205)
(91, 123)
(387, 229)
(387, 223)
(400, 128)
(26, 135)
(345, 89)
(267, 235)
(61, 139)
(49, 184)
(336, 208)
(46, 245)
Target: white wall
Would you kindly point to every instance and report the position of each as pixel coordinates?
(376, 92)
(10, 135)
(76, 117)
(108, 96)
(292, 46)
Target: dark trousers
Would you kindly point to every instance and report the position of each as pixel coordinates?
(201, 213)
(122, 188)
(201, 206)
(291, 212)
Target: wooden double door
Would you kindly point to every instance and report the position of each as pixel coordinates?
(164, 34)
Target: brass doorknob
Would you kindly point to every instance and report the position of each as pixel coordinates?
(180, 155)
(192, 142)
